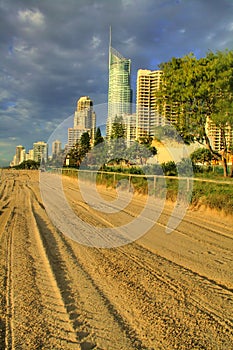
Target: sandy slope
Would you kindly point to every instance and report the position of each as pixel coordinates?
(161, 292)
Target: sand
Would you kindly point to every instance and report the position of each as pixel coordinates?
(160, 292)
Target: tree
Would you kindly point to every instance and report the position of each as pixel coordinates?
(197, 90)
(85, 144)
(57, 159)
(201, 155)
(28, 164)
(98, 137)
(169, 168)
(118, 130)
(153, 150)
(168, 132)
(147, 142)
(137, 152)
(142, 149)
(98, 155)
(79, 150)
(74, 156)
(116, 145)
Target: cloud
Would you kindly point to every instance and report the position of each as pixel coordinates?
(31, 17)
(95, 42)
(230, 26)
(54, 52)
(182, 30)
(4, 144)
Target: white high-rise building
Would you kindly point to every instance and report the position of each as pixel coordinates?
(40, 151)
(148, 115)
(129, 123)
(56, 148)
(30, 155)
(215, 136)
(74, 135)
(84, 121)
(19, 155)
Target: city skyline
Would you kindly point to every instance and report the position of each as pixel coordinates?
(44, 70)
(39, 152)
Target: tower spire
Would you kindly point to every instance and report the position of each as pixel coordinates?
(110, 37)
(109, 48)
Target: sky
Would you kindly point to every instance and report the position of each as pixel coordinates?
(52, 52)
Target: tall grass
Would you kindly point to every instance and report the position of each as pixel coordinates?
(213, 195)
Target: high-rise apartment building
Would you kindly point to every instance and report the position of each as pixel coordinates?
(119, 89)
(74, 136)
(84, 121)
(30, 155)
(56, 148)
(40, 151)
(129, 124)
(84, 116)
(147, 109)
(214, 134)
(19, 155)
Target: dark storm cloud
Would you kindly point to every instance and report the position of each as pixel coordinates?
(53, 52)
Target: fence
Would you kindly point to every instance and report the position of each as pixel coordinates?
(114, 177)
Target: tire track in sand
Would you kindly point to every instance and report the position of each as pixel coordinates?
(58, 321)
(6, 264)
(9, 325)
(33, 310)
(95, 318)
(189, 290)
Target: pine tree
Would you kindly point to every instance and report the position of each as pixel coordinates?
(98, 137)
(85, 144)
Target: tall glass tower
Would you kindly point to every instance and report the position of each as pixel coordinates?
(119, 90)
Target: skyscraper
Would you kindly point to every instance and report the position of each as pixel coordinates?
(119, 90)
(84, 121)
(19, 154)
(56, 148)
(40, 151)
(148, 116)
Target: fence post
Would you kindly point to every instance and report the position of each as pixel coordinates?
(129, 182)
(155, 180)
(188, 184)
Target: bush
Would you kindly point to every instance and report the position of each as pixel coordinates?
(28, 164)
(169, 168)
